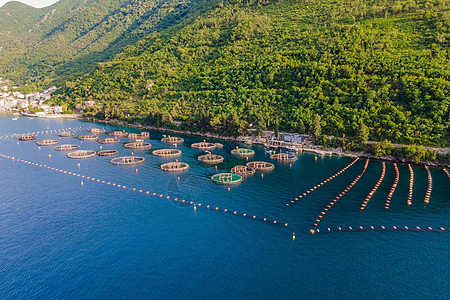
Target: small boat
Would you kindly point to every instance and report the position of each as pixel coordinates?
(14, 119)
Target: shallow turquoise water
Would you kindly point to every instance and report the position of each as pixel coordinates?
(62, 239)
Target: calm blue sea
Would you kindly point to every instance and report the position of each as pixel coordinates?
(61, 238)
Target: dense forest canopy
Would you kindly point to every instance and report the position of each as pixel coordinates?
(229, 65)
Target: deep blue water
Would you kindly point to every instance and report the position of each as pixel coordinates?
(62, 239)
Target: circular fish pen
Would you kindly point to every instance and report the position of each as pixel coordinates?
(210, 159)
(243, 170)
(88, 137)
(66, 134)
(27, 138)
(242, 152)
(127, 160)
(172, 140)
(119, 133)
(227, 178)
(138, 145)
(109, 141)
(167, 152)
(47, 142)
(261, 166)
(81, 154)
(97, 130)
(135, 136)
(107, 152)
(284, 157)
(175, 166)
(66, 147)
(204, 146)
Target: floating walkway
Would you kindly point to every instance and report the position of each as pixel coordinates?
(227, 178)
(243, 171)
(109, 141)
(167, 152)
(175, 167)
(172, 140)
(322, 183)
(161, 196)
(81, 154)
(284, 157)
(211, 159)
(127, 160)
(66, 147)
(242, 152)
(88, 137)
(138, 145)
(110, 152)
(47, 142)
(335, 200)
(411, 185)
(261, 166)
(375, 188)
(394, 186)
(430, 186)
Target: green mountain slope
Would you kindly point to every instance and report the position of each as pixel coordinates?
(384, 63)
(68, 38)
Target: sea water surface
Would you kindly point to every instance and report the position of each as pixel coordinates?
(63, 236)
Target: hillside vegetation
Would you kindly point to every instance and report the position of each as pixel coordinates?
(229, 65)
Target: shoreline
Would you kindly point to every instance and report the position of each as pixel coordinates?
(317, 151)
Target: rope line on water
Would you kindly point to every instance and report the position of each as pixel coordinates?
(45, 132)
(446, 172)
(322, 183)
(394, 186)
(190, 203)
(375, 188)
(411, 185)
(349, 187)
(382, 228)
(430, 186)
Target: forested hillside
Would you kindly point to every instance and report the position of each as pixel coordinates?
(68, 38)
(229, 65)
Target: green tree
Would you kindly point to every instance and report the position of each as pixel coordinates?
(317, 129)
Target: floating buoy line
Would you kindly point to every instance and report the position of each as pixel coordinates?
(446, 172)
(157, 195)
(430, 186)
(333, 202)
(382, 228)
(322, 183)
(394, 186)
(375, 188)
(411, 185)
(45, 132)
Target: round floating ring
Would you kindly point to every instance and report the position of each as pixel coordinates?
(119, 133)
(127, 160)
(261, 166)
(243, 170)
(88, 137)
(27, 138)
(143, 135)
(175, 166)
(47, 142)
(211, 159)
(66, 147)
(243, 152)
(285, 157)
(80, 154)
(107, 152)
(172, 140)
(204, 146)
(138, 145)
(227, 178)
(97, 130)
(109, 141)
(167, 152)
(66, 134)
